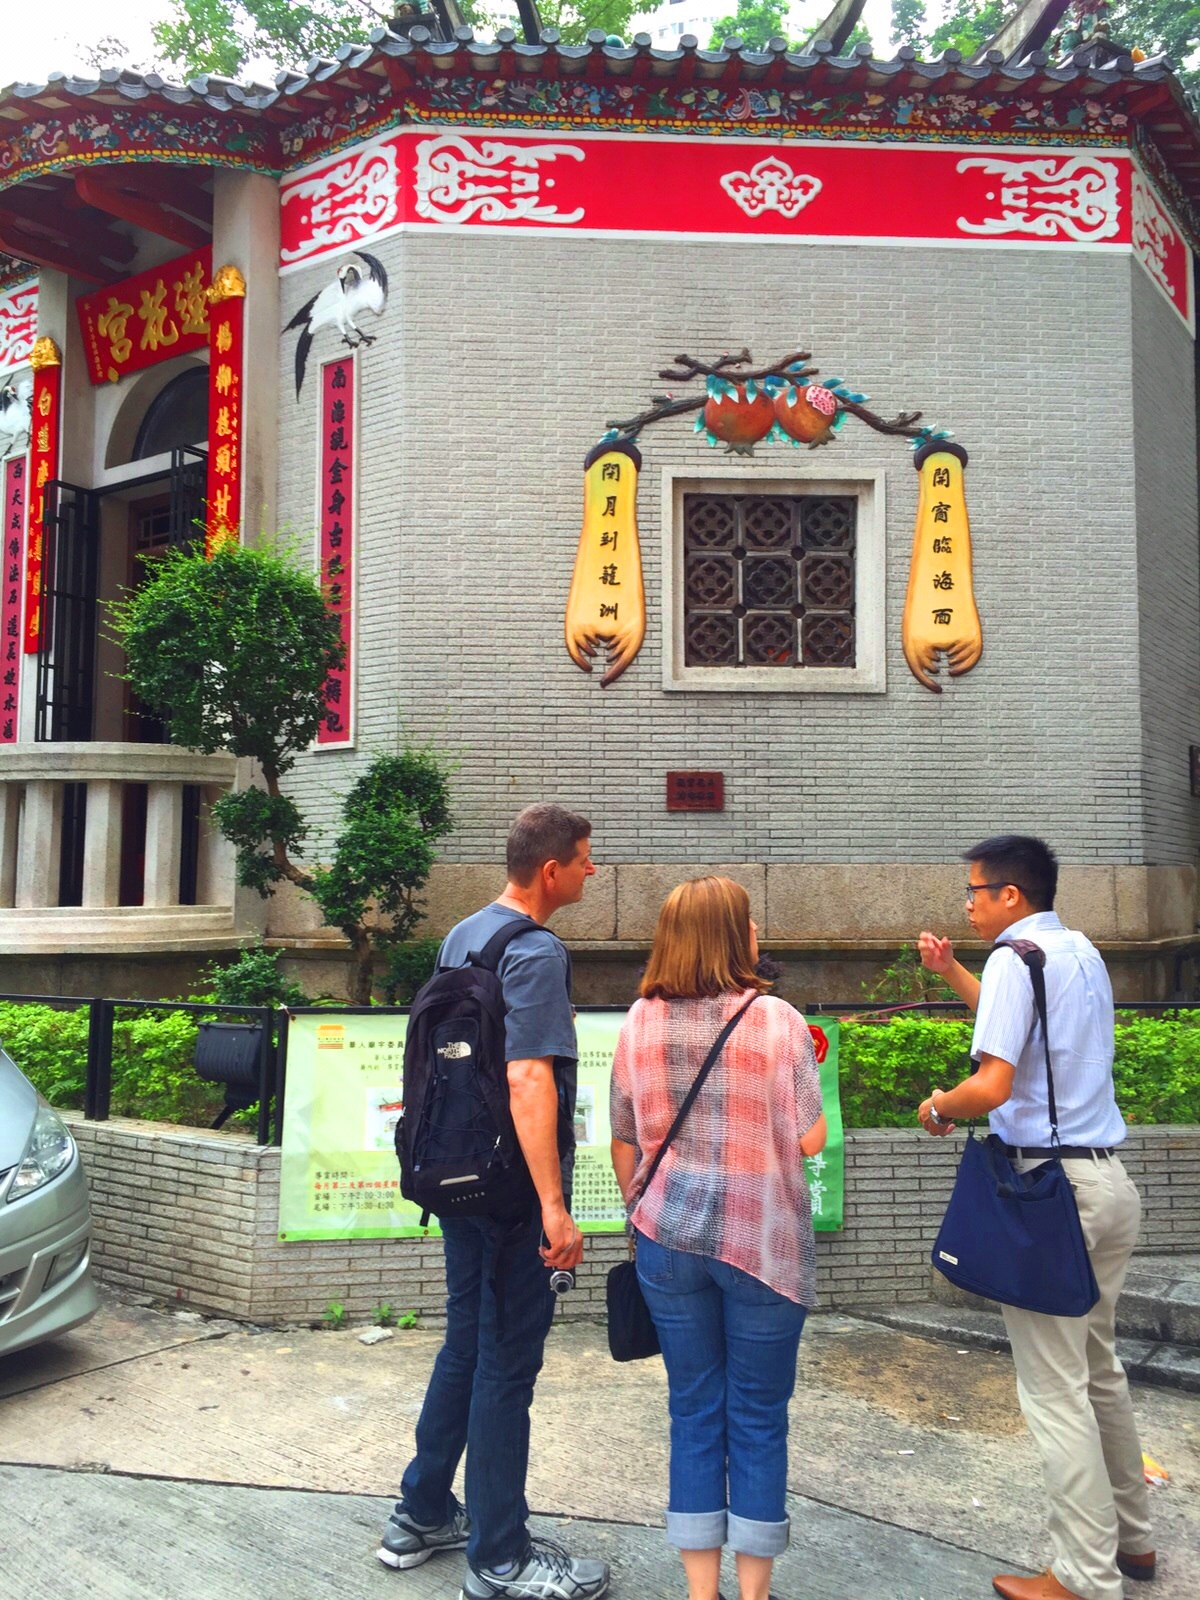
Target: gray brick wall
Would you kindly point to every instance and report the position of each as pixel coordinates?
(1168, 544)
(192, 1217)
(497, 365)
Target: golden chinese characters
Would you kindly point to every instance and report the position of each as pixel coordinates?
(940, 615)
(606, 605)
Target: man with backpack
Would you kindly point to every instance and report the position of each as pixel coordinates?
(486, 1142)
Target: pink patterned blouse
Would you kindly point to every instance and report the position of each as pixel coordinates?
(732, 1185)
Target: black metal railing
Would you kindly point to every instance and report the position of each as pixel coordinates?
(273, 1038)
(898, 1008)
(102, 1013)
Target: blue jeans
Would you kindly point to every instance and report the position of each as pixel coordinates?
(729, 1344)
(481, 1389)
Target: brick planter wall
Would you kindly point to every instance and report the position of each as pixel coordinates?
(192, 1217)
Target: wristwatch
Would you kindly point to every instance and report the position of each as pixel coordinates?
(934, 1116)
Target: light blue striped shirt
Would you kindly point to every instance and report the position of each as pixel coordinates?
(1079, 1006)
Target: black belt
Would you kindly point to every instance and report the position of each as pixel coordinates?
(1070, 1152)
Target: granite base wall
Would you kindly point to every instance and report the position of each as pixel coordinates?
(191, 1217)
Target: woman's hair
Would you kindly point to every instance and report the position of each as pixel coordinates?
(702, 943)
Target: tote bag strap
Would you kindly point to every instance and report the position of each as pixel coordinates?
(1034, 958)
(710, 1062)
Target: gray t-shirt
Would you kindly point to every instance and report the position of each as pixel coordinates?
(535, 974)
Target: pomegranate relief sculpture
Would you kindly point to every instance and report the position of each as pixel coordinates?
(740, 407)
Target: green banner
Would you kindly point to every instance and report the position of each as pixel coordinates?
(339, 1178)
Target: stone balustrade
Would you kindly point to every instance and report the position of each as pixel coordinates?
(35, 801)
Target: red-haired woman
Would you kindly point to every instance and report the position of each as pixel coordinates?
(725, 1249)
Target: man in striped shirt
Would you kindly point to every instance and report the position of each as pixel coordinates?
(1072, 1388)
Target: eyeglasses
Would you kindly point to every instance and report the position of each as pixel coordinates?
(974, 888)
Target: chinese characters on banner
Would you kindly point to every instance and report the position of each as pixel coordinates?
(140, 321)
(227, 298)
(940, 615)
(16, 483)
(43, 466)
(337, 536)
(606, 608)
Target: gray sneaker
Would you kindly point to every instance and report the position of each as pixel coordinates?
(547, 1572)
(406, 1543)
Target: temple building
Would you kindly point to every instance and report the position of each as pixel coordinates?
(787, 458)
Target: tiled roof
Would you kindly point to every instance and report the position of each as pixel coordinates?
(421, 56)
(388, 65)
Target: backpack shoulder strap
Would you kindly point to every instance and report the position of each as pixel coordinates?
(489, 956)
(1034, 958)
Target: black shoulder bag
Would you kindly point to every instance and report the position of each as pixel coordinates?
(631, 1332)
(1016, 1237)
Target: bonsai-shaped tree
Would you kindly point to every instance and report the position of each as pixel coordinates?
(233, 651)
(391, 820)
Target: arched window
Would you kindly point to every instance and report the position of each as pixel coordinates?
(177, 415)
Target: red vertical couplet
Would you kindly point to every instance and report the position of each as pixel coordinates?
(337, 537)
(227, 297)
(16, 484)
(44, 433)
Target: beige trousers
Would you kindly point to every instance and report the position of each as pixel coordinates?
(1075, 1399)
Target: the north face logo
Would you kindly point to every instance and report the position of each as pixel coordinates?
(456, 1050)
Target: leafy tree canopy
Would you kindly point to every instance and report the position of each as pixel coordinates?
(220, 36)
(908, 22)
(233, 651)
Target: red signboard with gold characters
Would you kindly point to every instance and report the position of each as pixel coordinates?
(163, 312)
(45, 426)
(337, 537)
(16, 485)
(227, 297)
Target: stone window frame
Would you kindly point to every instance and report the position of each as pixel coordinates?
(869, 675)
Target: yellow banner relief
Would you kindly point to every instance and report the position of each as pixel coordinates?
(606, 608)
(940, 615)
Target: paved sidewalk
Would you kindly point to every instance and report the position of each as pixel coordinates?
(146, 1538)
(164, 1457)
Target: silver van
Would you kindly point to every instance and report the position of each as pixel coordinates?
(45, 1221)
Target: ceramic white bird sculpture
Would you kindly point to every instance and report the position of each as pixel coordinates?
(16, 414)
(354, 291)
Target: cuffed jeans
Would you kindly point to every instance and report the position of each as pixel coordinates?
(729, 1344)
(481, 1389)
(1075, 1398)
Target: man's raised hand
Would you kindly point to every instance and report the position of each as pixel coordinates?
(936, 954)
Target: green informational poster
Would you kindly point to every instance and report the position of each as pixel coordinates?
(339, 1177)
(827, 1172)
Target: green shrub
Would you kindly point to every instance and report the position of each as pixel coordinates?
(253, 978)
(152, 1073)
(1157, 1067)
(50, 1047)
(887, 1068)
(409, 967)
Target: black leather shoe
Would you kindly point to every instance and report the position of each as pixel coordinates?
(1140, 1568)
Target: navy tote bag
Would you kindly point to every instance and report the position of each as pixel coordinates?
(1016, 1237)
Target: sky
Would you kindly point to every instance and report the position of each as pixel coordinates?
(55, 34)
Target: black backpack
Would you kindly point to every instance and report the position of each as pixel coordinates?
(458, 1149)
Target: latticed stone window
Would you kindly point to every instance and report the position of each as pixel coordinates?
(769, 580)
